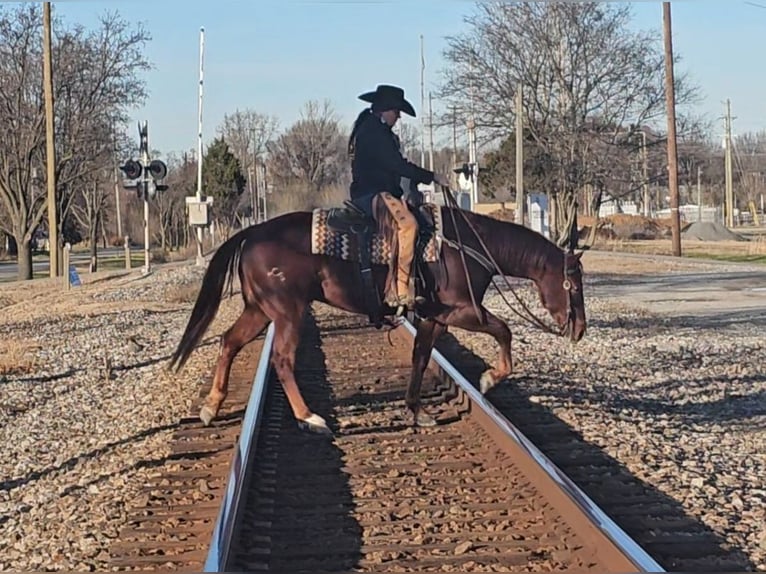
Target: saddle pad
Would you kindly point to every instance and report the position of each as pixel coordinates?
(343, 245)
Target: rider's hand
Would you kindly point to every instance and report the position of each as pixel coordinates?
(440, 179)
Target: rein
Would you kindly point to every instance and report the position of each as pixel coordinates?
(531, 318)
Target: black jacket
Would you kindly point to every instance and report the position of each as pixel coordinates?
(378, 164)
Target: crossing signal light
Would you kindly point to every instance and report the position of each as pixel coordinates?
(158, 169)
(132, 169)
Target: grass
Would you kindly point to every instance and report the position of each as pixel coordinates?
(753, 251)
(186, 293)
(733, 257)
(17, 357)
(113, 263)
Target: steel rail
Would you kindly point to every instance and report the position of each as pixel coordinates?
(596, 515)
(225, 527)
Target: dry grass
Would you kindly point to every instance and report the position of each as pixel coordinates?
(736, 250)
(17, 357)
(186, 293)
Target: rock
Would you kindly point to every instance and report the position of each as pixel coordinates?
(463, 547)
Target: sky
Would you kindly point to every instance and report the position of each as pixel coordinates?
(275, 55)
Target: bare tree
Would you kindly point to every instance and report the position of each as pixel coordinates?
(312, 152)
(95, 82)
(170, 205)
(247, 133)
(92, 199)
(577, 93)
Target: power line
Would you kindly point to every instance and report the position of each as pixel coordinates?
(755, 4)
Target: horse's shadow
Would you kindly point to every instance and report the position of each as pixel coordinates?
(539, 424)
(312, 524)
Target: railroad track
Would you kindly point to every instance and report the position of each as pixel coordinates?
(472, 494)
(380, 495)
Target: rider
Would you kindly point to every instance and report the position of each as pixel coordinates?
(377, 167)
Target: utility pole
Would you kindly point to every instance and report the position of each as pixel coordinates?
(521, 204)
(699, 192)
(472, 161)
(117, 200)
(645, 173)
(50, 148)
(430, 134)
(670, 102)
(422, 104)
(143, 132)
(116, 184)
(472, 153)
(251, 175)
(729, 194)
(454, 146)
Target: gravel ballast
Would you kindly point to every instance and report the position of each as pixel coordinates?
(86, 413)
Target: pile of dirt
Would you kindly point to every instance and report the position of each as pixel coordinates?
(710, 231)
(622, 226)
(504, 214)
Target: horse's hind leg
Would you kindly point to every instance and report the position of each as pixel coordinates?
(427, 333)
(287, 331)
(247, 327)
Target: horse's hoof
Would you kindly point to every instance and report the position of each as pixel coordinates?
(425, 420)
(315, 424)
(486, 382)
(206, 415)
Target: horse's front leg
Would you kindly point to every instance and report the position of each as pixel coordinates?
(428, 331)
(465, 318)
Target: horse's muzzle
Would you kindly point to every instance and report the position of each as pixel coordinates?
(576, 329)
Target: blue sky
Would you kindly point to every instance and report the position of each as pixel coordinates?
(274, 55)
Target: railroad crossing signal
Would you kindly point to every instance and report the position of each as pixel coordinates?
(136, 174)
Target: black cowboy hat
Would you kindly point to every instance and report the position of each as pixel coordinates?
(388, 98)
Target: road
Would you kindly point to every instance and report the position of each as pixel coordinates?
(728, 294)
(9, 270)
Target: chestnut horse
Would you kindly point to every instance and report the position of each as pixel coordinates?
(280, 277)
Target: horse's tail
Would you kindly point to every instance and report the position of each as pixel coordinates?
(219, 275)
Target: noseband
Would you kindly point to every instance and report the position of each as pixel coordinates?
(569, 270)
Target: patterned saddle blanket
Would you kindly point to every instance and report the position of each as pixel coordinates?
(332, 235)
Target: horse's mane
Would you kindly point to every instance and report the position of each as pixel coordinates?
(511, 244)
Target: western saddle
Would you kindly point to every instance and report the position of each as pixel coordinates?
(352, 220)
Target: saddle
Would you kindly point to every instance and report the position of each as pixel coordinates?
(351, 220)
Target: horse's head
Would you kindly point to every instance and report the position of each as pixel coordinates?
(561, 292)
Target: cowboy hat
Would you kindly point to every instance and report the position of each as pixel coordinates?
(388, 98)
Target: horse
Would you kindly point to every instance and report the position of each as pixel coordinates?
(280, 277)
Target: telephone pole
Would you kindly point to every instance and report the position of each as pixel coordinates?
(50, 149)
(422, 104)
(116, 181)
(729, 194)
(430, 134)
(521, 203)
(670, 102)
(645, 173)
(699, 192)
(473, 162)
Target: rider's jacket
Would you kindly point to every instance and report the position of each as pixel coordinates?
(377, 163)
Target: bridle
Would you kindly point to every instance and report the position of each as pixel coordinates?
(493, 267)
(569, 270)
